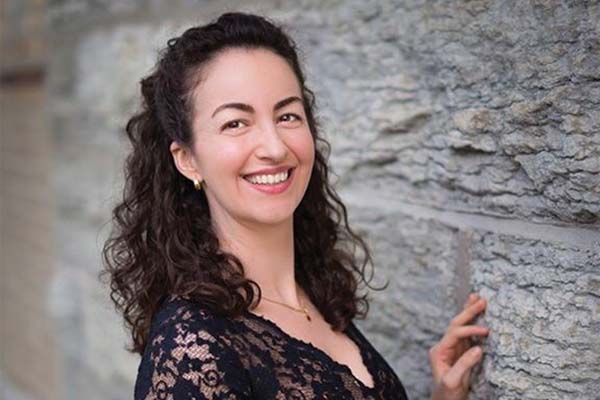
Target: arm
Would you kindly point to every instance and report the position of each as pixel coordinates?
(187, 359)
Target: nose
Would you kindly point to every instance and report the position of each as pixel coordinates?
(270, 144)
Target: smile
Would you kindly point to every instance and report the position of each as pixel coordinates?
(273, 179)
(271, 183)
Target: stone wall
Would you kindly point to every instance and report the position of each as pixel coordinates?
(466, 142)
(30, 362)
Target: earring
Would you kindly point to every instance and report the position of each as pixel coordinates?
(197, 184)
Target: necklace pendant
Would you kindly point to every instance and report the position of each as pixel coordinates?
(306, 313)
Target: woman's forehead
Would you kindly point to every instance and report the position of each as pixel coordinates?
(246, 76)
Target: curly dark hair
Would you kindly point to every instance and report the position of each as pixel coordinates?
(162, 242)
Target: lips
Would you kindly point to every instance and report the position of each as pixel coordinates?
(269, 171)
(273, 189)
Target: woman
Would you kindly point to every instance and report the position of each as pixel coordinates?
(232, 259)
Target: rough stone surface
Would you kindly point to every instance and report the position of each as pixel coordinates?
(470, 106)
(483, 116)
(543, 305)
(545, 314)
(407, 317)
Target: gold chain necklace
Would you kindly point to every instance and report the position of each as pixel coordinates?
(302, 310)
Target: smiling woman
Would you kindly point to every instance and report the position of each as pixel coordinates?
(231, 257)
(249, 131)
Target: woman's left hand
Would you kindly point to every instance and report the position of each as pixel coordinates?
(452, 358)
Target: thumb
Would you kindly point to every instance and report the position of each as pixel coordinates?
(461, 370)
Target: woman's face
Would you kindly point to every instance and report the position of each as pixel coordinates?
(252, 144)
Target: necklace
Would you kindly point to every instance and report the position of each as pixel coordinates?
(302, 310)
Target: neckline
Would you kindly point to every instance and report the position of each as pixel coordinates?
(343, 367)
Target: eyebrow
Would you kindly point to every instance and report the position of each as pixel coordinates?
(248, 108)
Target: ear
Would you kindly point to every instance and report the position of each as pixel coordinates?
(184, 161)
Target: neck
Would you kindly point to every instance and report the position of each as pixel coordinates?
(267, 253)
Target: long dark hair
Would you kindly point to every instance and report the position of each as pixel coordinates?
(162, 242)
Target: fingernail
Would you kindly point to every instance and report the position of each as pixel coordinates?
(476, 350)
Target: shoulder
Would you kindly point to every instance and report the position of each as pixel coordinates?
(178, 315)
(191, 330)
(189, 352)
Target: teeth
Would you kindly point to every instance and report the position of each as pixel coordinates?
(268, 179)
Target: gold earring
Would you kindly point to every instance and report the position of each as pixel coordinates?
(197, 184)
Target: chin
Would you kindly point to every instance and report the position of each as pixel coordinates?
(269, 217)
(273, 220)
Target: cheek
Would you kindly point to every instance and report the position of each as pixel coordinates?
(303, 146)
(222, 159)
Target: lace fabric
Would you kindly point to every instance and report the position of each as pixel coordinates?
(194, 354)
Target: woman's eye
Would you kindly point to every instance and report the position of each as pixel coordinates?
(233, 124)
(294, 117)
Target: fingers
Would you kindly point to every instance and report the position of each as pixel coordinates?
(460, 372)
(473, 297)
(454, 351)
(453, 341)
(454, 338)
(469, 313)
(454, 335)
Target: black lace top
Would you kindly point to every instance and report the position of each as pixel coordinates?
(194, 354)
